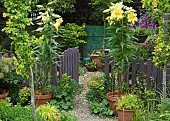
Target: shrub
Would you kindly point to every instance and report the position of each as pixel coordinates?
(16, 113)
(96, 95)
(64, 92)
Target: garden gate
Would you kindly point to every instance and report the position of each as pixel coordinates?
(68, 63)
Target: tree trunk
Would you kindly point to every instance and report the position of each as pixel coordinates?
(32, 95)
(164, 81)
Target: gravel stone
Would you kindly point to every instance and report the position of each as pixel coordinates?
(81, 108)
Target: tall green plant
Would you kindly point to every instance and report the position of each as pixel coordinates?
(119, 18)
(160, 8)
(47, 49)
(17, 13)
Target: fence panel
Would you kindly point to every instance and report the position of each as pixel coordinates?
(143, 71)
(68, 63)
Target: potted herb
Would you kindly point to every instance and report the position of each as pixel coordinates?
(143, 27)
(91, 66)
(126, 107)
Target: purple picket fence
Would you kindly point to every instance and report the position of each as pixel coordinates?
(68, 63)
(139, 70)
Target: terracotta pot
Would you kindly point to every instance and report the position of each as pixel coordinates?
(95, 57)
(3, 93)
(125, 115)
(112, 99)
(90, 68)
(42, 97)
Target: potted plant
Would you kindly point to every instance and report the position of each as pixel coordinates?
(97, 57)
(120, 18)
(91, 66)
(46, 51)
(126, 107)
(143, 27)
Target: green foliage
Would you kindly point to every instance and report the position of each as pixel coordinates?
(13, 78)
(63, 6)
(15, 83)
(119, 31)
(101, 108)
(48, 112)
(24, 96)
(98, 88)
(72, 35)
(91, 64)
(47, 48)
(64, 92)
(16, 113)
(96, 91)
(82, 70)
(96, 95)
(165, 104)
(17, 14)
(129, 102)
(5, 102)
(66, 116)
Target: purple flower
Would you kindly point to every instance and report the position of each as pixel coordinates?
(145, 26)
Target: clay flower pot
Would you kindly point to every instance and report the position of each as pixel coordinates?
(125, 115)
(112, 99)
(3, 93)
(42, 97)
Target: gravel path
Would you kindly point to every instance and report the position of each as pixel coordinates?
(81, 109)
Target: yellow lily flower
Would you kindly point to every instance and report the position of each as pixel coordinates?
(132, 17)
(58, 23)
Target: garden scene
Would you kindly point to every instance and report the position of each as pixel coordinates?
(84, 60)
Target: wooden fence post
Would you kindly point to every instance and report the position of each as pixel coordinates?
(107, 61)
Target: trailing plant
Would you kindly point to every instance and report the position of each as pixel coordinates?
(64, 92)
(72, 35)
(24, 96)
